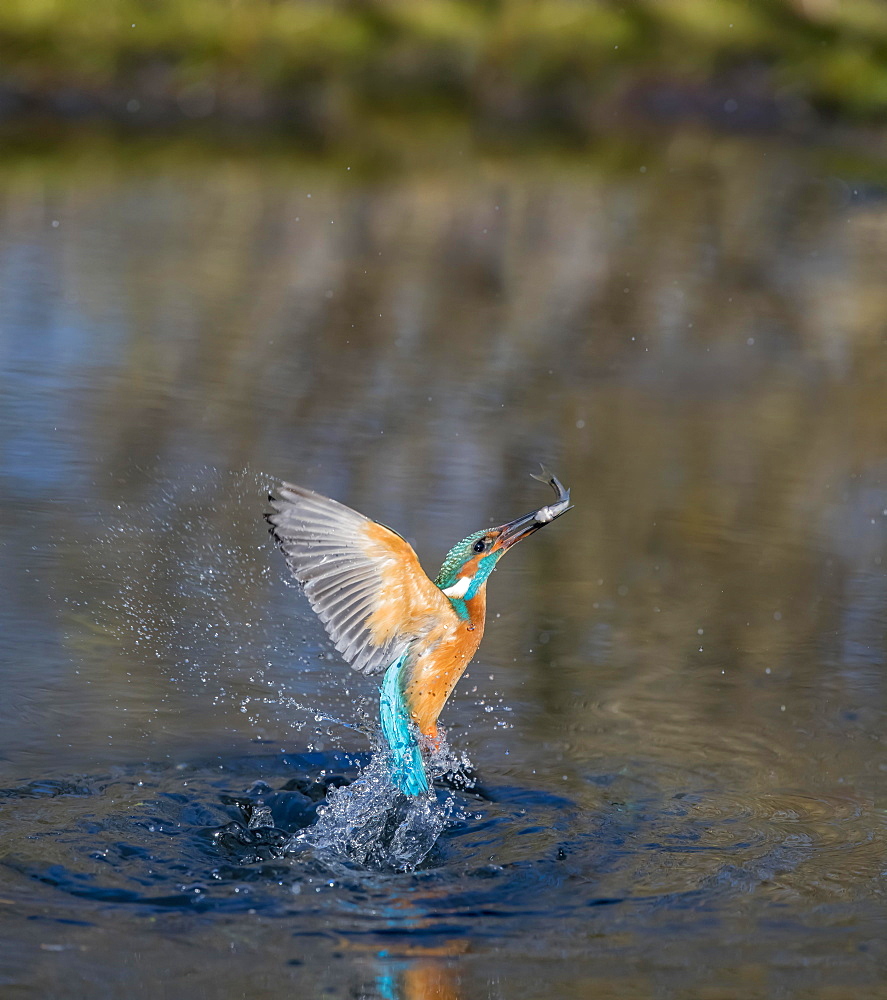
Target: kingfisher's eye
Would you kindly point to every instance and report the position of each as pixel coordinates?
(479, 545)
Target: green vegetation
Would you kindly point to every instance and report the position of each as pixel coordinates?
(323, 64)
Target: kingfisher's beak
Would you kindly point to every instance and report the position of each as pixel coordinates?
(514, 531)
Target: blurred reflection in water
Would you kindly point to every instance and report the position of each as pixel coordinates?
(693, 336)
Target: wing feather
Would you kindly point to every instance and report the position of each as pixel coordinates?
(361, 578)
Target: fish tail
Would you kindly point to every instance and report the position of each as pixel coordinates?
(407, 766)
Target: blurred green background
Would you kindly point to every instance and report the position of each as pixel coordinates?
(327, 68)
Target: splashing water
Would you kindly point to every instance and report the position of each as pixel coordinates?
(186, 583)
(372, 824)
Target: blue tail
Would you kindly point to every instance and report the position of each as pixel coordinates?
(407, 766)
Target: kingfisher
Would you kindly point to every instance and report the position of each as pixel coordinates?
(383, 613)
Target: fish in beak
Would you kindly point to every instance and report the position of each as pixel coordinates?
(521, 527)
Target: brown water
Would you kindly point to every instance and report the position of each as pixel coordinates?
(678, 711)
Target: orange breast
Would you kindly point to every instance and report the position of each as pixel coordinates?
(434, 673)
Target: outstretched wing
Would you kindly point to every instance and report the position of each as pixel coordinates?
(363, 580)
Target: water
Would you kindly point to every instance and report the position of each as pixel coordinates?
(371, 824)
(676, 717)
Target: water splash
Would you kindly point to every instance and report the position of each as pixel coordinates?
(371, 823)
(186, 584)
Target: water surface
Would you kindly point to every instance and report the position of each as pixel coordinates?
(676, 715)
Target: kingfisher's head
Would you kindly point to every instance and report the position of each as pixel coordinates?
(469, 563)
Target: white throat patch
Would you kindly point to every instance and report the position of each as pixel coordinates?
(459, 588)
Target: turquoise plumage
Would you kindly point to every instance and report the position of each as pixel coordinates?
(406, 764)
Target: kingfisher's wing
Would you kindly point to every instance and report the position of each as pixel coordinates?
(363, 580)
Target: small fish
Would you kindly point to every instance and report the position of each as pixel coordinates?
(560, 506)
